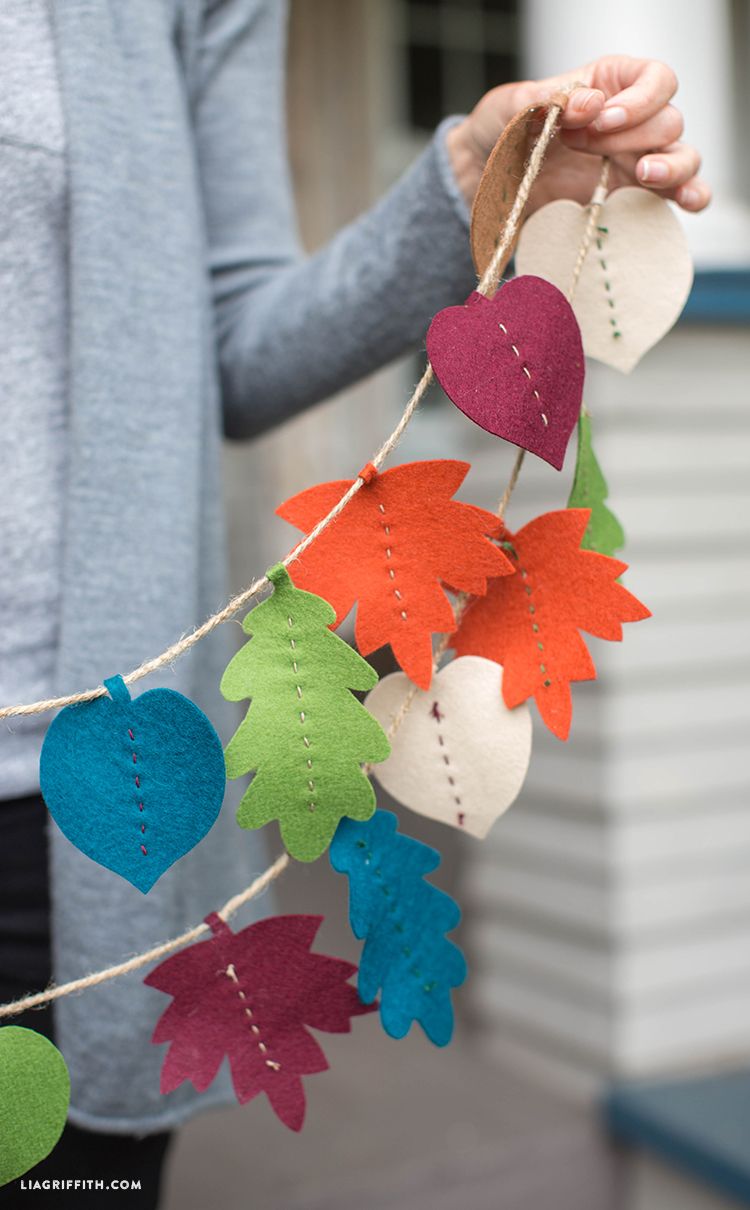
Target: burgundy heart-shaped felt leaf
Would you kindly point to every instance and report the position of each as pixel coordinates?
(513, 364)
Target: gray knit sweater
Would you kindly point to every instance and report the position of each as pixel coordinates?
(190, 306)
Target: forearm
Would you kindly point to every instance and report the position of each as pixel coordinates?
(298, 333)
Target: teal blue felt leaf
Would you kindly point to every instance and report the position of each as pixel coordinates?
(402, 919)
(133, 783)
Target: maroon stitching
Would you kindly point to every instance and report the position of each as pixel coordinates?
(435, 712)
(144, 850)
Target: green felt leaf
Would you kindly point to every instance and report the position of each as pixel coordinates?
(305, 735)
(34, 1095)
(604, 532)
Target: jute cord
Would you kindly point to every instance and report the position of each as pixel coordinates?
(487, 285)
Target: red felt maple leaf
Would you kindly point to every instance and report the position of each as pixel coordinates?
(395, 545)
(529, 622)
(250, 996)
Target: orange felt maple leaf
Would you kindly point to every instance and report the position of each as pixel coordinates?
(392, 548)
(529, 622)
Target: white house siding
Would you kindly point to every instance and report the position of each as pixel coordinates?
(611, 905)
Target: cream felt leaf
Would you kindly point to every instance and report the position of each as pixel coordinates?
(530, 622)
(459, 755)
(305, 734)
(604, 532)
(635, 279)
(392, 548)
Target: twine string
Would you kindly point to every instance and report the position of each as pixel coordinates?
(463, 599)
(487, 285)
(38, 999)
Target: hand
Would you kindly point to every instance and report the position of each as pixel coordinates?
(622, 110)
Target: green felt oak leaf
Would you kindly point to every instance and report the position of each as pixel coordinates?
(604, 532)
(34, 1095)
(305, 735)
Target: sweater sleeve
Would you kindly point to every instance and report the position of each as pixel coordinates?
(292, 330)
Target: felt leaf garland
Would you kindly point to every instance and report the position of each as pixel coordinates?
(34, 1095)
(513, 364)
(402, 919)
(252, 996)
(304, 732)
(398, 540)
(459, 754)
(604, 532)
(133, 783)
(636, 276)
(530, 622)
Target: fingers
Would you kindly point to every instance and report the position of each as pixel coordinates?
(672, 174)
(694, 195)
(660, 130)
(673, 167)
(650, 86)
(584, 106)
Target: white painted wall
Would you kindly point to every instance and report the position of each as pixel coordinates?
(695, 38)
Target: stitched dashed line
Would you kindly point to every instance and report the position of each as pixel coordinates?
(607, 284)
(305, 738)
(389, 554)
(398, 925)
(535, 626)
(525, 369)
(144, 850)
(232, 973)
(435, 712)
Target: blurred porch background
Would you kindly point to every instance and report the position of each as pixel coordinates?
(607, 917)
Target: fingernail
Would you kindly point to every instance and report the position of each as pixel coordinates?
(585, 97)
(610, 119)
(653, 171)
(688, 196)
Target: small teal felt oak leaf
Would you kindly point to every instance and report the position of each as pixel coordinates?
(603, 532)
(400, 541)
(403, 919)
(305, 735)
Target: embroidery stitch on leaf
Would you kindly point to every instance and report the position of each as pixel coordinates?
(575, 589)
(527, 372)
(253, 997)
(607, 286)
(307, 787)
(403, 520)
(460, 758)
(138, 787)
(435, 712)
(405, 954)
